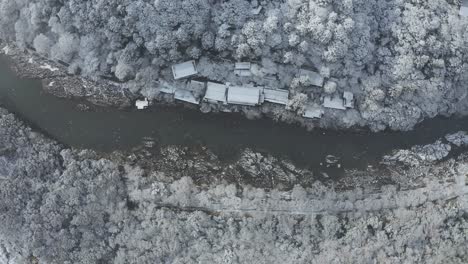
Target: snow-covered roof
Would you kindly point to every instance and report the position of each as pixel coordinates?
(313, 111)
(276, 96)
(186, 96)
(333, 102)
(348, 98)
(315, 78)
(215, 92)
(464, 8)
(185, 69)
(243, 66)
(167, 88)
(244, 95)
(196, 86)
(142, 104)
(243, 69)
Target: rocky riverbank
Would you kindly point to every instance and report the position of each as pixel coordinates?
(60, 205)
(56, 80)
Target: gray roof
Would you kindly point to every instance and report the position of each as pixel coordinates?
(215, 92)
(276, 96)
(313, 111)
(167, 88)
(315, 78)
(243, 69)
(186, 96)
(196, 86)
(464, 8)
(243, 66)
(348, 98)
(244, 95)
(333, 102)
(185, 69)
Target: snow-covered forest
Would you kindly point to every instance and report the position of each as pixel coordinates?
(59, 205)
(403, 59)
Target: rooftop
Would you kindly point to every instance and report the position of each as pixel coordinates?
(196, 86)
(313, 111)
(315, 78)
(183, 70)
(276, 96)
(244, 95)
(243, 69)
(215, 92)
(243, 65)
(333, 102)
(142, 104)
(167, 88)
(186, 96)
(348, 98)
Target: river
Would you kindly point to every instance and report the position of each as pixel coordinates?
(108, 129)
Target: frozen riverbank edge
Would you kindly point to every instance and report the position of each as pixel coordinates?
(60, 205)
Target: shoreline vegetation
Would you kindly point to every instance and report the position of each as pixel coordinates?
(111, 93)
(403, 62)
(61, 205)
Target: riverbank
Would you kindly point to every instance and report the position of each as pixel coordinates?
(85, 207)
(82, 125)
(106, 92)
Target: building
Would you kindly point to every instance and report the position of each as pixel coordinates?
(142, 104)
(313, 111)
(184, 70)
(167, 88)
(348, 99)
(334, 102)
(215, 93)
(464, 8)
(239, 95)
(191, 93)
(276, 96)
(186, 96)
(243, 69)
(315, 78)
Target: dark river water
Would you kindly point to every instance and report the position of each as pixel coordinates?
(107, 129)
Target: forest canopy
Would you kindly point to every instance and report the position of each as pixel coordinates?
(404, 59)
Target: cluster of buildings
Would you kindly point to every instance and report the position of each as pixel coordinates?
(196, 92)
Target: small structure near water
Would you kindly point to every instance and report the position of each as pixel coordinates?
(184, 70)
(142, 104)
(313, 111)
(276, 96)
(333, 102)
(167, 88)
(192, 93)
(215, 93)
(239, 95)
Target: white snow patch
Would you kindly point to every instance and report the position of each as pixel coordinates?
(6, 50)
(48, 67)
